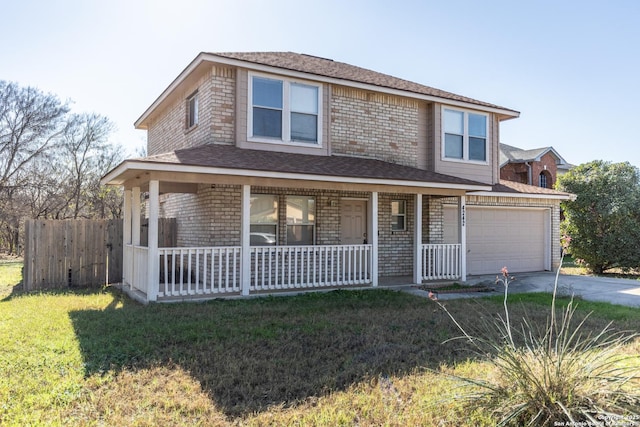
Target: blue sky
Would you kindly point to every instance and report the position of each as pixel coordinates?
(571, 68)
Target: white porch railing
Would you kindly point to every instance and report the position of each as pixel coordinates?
(199, 271)
(127, 265)
(441, 261)
(216, 270)
(140, 273)
(296, 267)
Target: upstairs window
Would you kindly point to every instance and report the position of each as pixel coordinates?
(545, 179)
(284, 111)
(465, 135)
(192, 110)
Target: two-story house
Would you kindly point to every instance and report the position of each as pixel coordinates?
(537, 166)
(290, 172)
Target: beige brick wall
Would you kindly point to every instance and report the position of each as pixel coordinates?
(216, 115)
(360, 123)
(208, 218)
(395, 248)
(374, 125)
(211, 217)
(432, 220)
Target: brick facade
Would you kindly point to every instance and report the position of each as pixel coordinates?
(519, 172)
(516, 172)
(395, 248)
(216, 115)
(432, 220)
(374, 125)
(359, 123)
(211, 217)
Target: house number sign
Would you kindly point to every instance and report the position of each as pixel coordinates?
(462, 217)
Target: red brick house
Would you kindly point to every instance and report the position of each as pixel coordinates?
(539, 166)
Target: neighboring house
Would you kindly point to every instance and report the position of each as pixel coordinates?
(539, 166)
(289, 172)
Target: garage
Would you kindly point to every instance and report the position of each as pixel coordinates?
(518, 238)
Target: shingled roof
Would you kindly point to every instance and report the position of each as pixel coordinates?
(511, 154)
(232, 157)
(329, 68)
(221, 157)
(315, 68)
(511, 187)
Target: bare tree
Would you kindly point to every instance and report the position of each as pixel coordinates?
(51, 162)
(83, 148)
(30, 123)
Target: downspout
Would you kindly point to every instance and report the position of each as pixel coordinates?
(529, 177)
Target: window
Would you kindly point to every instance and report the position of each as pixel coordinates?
(263, 227)
(545, 179)
(192, 110)
(283, 110)
(398, 215)
(301, 216)
(465, 135)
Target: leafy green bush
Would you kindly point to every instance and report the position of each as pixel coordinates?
(558, 374)
(604, 220)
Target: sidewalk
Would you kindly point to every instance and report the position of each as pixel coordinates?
(614, 291)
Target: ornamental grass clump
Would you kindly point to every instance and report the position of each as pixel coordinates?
(561, 374)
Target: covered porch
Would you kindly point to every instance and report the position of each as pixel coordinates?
(244, 267)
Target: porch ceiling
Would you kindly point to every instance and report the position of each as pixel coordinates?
(216, 163)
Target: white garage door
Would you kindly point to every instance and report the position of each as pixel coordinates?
(497, 237)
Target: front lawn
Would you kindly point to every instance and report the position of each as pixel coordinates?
(337, 358)
(571, 266)
(10, 274)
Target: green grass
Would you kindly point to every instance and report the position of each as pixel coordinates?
(10, 275)
(618, 313)
(570, 266)
(337, 358)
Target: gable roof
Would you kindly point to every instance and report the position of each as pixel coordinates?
(230, 160)
(511, 154)
(322, 69)
(340, 70)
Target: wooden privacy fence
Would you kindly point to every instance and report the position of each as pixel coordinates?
(68, 253)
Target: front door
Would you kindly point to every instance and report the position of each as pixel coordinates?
(353, 222)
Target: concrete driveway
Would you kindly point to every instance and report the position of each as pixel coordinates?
(614, 291)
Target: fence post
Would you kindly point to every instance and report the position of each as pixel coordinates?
(27, 262)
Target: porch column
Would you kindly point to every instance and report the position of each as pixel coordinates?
(245, 240)
(153, 260)
(417, 240)
(135, 216)
(126, 237)
(374, 238)
(135, 236)
(462, 232)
